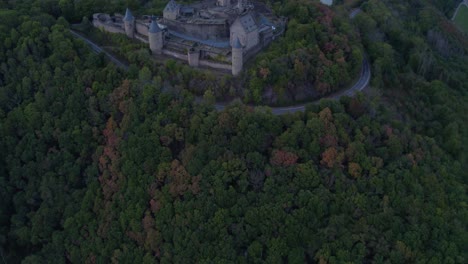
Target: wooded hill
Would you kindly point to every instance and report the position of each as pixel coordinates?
(101, 165)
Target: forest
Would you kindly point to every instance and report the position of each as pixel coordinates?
(102, 165)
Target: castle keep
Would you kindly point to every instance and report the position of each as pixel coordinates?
(220, 34)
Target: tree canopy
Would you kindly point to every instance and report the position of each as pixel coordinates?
(102, 165)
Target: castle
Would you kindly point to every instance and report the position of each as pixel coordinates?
(213, 33)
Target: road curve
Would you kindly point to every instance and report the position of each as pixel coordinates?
(354, 12)
(359, 85)
(463, 2)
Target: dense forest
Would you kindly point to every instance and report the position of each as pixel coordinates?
(319, 54)
(102, 165)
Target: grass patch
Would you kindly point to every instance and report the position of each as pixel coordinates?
(462, 18)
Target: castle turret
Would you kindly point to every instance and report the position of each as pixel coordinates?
(193, 57)
(240, 6)
(155, 37)
(129, 23)
(237, 57)
(224, 2)
(171, 11)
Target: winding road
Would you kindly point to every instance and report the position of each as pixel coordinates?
(96, 49)
(463, 2)
(354, 12)
(359, 85)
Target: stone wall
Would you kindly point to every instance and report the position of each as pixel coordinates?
(200, 31)
(194, 58)
(248, 40)
(156, 42)
(260, 46)
(170, 14)
(141, 38)
(175, 54)
(107, 24)
(112, 28)
(252, 52)
(141, 28)
(252, 39)
(215, 65)
(210, 64)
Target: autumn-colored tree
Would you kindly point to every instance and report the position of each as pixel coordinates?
(331, 157)
(354, 169)
(93, 175)
(283, 158)
(109, 159)
(180, 181)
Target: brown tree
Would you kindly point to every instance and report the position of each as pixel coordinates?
(283, 158)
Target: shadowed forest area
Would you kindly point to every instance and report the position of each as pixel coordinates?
(100, 165)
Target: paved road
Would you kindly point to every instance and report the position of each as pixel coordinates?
(354, 13)
(464, 2)
(360, 84)
(96, 49)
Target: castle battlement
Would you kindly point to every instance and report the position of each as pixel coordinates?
(215, 33)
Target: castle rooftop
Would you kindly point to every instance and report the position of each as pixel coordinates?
(172, 6)
(154, 27)
(204, 21)
(237, 44)
(128, 15)
(248, 22)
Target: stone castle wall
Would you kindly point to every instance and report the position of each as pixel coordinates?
(252, 52)
(112, 28)
(194, 58)
(106, 24)
(206, 63)
(141, 38)
(215, 65)
(141, 28)
(174, 54)
(200, 31)
(261, 45)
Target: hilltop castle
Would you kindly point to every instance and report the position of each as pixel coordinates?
(213, 33)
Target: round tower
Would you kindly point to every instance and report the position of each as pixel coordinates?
(240, 6)
(237, 57)
(155, 37)
(224, 2)
(129, 23)
(193, 56)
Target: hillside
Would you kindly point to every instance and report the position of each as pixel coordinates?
(102, 165)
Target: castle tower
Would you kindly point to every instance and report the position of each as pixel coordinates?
(129, 23)
(155, 37)
(224, 2)
(193, 57)
(237, 57)
(171, 11)
(240, 6)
